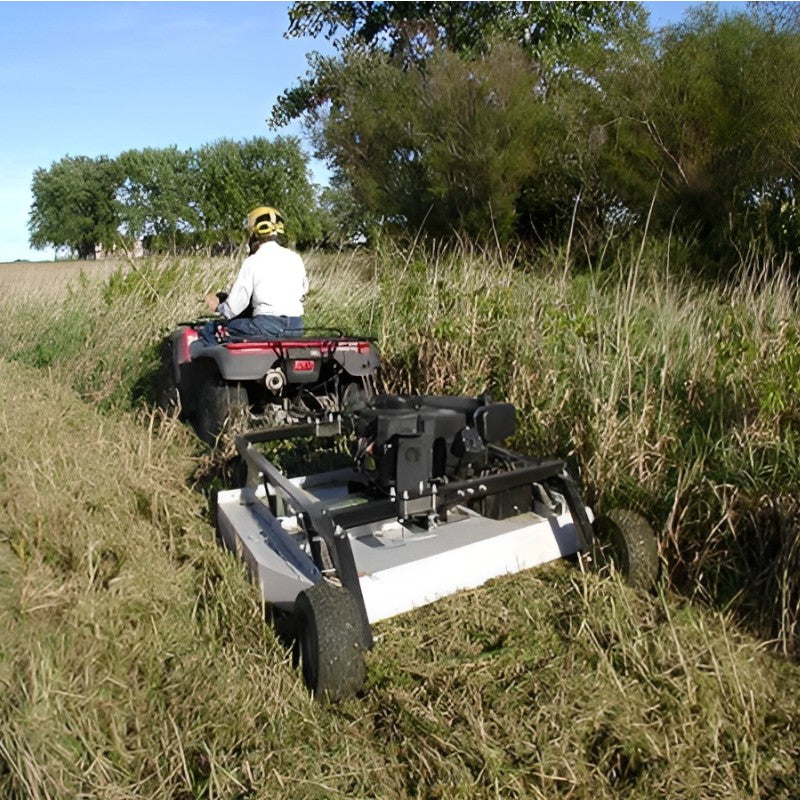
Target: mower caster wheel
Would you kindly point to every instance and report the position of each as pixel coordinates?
(626, 540)
(331, 641)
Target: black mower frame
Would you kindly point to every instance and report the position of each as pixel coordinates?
(323, 523)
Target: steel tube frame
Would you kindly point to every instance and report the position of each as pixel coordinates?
(320, 521)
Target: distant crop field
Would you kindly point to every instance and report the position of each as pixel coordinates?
(49, 278)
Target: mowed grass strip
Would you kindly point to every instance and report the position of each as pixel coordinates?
(129, 637)
(135, 661)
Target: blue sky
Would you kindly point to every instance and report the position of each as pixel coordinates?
(99, 78)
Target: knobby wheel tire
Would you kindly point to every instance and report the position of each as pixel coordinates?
(627, 540)
(330, 639)
(167, 395)
(219, 406)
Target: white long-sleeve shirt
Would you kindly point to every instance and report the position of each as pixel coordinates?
(273, 280)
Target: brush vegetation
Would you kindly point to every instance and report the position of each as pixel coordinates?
(135, 658)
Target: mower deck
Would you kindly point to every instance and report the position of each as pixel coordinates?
(399, 565)
(432, 505)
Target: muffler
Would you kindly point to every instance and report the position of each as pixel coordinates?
(275, 380)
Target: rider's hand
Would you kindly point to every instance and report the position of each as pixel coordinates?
(212, 301)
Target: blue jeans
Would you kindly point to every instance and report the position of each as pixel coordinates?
(261, 327)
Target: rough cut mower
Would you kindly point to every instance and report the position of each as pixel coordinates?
(431, 504)
(270, 381)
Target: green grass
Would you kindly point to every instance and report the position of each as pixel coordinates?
(134, 656)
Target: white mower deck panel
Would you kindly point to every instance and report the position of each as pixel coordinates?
(400, 570)
(277, 563)
(400, 567)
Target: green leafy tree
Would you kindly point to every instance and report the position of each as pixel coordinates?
(444, 149)
(712, 121)
(776, 14)
(74, 205)
(222, 179)
(157, 196)
(344, 221)
(175, 200)
(572, 189)
(438, 116)
(280, 177)
(237, 176)
(410, 32)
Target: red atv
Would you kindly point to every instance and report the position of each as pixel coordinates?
(269, 381)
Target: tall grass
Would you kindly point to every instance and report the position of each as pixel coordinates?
(103, 338)
(134, 656)
(676, 397)
(673, 396)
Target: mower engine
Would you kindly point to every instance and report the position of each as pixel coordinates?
(411, 446)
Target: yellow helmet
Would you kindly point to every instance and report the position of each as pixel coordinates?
(264, 221)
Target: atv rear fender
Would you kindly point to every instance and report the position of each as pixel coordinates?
(245, 361)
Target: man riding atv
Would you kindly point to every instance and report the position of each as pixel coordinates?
(257, 363)
(266, 299)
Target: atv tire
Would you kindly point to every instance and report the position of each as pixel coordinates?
(626, 540)
(220, 406)
(330, 641)
(165, 387)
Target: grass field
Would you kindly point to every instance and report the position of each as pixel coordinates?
(134, 656)
(49, 279)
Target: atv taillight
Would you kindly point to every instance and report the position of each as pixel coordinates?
(305, 365)
(189, 335)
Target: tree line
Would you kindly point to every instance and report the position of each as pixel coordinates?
(509, 122)
(535, 122)
(173, 200)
